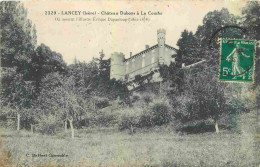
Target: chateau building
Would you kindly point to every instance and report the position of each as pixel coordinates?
(143, 62)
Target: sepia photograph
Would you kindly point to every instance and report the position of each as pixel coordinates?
(130, 83)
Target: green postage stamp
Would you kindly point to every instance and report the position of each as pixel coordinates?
(237, 58)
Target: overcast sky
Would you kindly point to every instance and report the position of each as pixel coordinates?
(84, 40)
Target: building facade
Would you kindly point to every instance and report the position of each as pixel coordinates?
(143, 62)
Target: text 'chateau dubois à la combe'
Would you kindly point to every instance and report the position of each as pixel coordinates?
(127, 13)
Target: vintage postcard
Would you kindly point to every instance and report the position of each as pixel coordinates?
(129, 83)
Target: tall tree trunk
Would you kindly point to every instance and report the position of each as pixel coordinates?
(94, 105)
(216, 126)
(65, 125)
(18, 121)
(132, 129)
(160, 89)
(71, 127)
(31, 128)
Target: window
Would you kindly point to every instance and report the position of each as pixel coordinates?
(143, 63)
(153, 59)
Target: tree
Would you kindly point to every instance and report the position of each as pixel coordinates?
(59, 98)
(18, 37)
(45, 61)
(203, 44)
(83, 73)
(213, 28)
(85, 82)
(103, 76)
(102, 85)
(174, 76)
(140, 81)
(20, 97)
(203, 96)
(188, 45)
(18, 40)
(251, 19)
(214, 21)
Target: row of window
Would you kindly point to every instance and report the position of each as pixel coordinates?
(132, 66)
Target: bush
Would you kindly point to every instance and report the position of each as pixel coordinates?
(157, 113)
(146, 119)
(108, 116)
(48, 124)
(147, 98)
(234, 107)
(183, 108)
(130, 117)
(101, 102)
(6, 112)
(161, 113)
(105, 117)
(135, 98)
(142, 98)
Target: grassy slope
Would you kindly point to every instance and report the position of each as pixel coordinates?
(113, 148)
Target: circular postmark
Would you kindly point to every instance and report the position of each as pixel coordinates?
(214, 36)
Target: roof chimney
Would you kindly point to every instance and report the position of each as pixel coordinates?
(130, 54)
(146, 46)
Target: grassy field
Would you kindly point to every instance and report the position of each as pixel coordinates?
(109, 147)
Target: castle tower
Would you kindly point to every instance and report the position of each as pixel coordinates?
(117, 69)
(161, 44)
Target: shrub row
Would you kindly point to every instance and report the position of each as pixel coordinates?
(154, 114)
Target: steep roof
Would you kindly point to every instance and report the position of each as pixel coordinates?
(147, 50)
